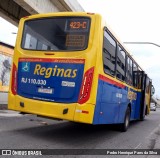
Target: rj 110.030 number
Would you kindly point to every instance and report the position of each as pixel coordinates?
(33, 81)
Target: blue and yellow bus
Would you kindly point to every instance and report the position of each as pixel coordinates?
(70, 66)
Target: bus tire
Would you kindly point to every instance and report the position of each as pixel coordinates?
(125, 125)
(143, 117)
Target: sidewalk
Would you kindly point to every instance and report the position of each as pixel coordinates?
(9, 113)
(3, 100)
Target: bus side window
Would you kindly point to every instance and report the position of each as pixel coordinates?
(120, 68)
(109, 54)
(135, 75)
(129, 71)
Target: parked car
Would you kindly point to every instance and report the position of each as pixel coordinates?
(153, 106)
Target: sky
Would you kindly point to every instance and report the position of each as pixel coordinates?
(7, 32)
(131, 21)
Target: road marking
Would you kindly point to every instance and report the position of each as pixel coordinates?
(138, 145)
(154, 130)
(134, 148)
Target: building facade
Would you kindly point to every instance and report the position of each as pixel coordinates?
(6, 54)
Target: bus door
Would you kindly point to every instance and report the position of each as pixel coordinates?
(148, 93)
(145, 82)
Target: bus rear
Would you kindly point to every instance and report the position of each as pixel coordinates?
(54, 67)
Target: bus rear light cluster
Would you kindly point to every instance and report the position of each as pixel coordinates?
(14, 80)
(86, 86)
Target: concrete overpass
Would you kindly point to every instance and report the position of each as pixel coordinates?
(13, 10)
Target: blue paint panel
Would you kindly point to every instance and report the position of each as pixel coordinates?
(133, 107)
(138, 103)
(107, 103)
(109, 93)
(123, 104)
(98, 103)
(111, 109)
(58, 87)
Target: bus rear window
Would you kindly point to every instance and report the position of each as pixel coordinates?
(56, 34)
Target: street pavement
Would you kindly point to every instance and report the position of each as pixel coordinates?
(30, 132)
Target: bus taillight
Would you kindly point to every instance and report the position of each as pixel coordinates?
(14, 80)
(86, 86)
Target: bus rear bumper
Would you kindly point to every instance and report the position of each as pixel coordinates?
(72, 112)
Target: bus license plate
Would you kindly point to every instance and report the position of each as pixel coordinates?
(45, 90)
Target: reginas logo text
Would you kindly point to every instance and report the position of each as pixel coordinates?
(55, 71)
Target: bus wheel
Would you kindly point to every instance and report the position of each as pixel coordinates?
(125, 125)
(143, 117)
